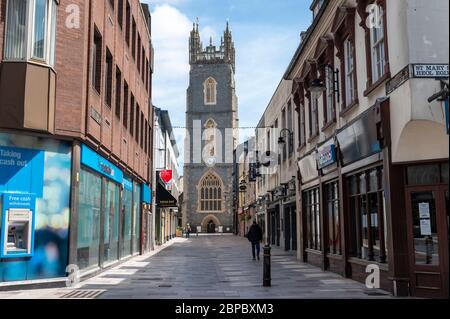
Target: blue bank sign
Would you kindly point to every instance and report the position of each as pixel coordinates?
(101, 165)
(326, 156)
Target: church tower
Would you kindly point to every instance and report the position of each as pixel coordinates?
(212, 134)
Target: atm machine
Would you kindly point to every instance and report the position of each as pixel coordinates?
(17, 226)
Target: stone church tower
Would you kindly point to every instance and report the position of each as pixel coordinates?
(211, 121)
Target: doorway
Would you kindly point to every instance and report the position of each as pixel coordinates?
(211, 227)
(428, 240)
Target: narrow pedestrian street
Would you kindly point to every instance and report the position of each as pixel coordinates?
(209, 267)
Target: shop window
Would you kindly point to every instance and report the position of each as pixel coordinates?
(89, 220)
(136, 217)
(127, 197)
(312, 209)
(31, 31)
(334, 225)
(112, 213)
(368, 215)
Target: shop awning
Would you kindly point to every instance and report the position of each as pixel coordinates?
(164, 198)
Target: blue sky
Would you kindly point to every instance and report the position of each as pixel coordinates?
(266, 35)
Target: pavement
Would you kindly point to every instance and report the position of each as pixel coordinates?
(208, 267)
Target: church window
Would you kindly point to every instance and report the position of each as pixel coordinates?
(210, 91)
(210, 193)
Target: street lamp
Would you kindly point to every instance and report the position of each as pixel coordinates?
(318, 87)
(282, 138)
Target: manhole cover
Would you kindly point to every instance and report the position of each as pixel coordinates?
(83, 294)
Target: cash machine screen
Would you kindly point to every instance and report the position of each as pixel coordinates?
(17, 230)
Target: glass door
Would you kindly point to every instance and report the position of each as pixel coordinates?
(428, 241)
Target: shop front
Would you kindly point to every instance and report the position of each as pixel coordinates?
(345, 225)
(165, 219)
(35, 180)
(108, 222)
(427, 207)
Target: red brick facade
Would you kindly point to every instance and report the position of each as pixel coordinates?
(81, 111)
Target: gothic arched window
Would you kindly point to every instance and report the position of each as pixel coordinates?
(210, 91)
(210, 193)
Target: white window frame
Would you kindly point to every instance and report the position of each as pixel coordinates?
(377, 47)
(49, 51)
(349, 62)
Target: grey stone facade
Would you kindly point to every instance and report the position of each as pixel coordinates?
(216, 63)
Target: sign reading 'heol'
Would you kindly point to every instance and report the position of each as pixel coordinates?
(430, 70)
(326, 156)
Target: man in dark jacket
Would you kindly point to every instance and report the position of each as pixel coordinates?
(255, 236)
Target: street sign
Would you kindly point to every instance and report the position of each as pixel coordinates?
(433, 71)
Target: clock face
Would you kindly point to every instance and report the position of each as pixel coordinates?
(211, 161)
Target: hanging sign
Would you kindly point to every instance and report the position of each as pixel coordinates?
(166, 175)
(326, 156)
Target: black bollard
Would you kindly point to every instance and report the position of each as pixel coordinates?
(267, 280)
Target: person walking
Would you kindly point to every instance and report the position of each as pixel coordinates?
(255, 237)
(188, 231)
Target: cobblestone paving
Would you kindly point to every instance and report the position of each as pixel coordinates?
(213, 267)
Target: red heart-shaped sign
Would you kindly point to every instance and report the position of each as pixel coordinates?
(166, 175)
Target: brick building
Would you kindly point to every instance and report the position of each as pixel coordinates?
(75, 135)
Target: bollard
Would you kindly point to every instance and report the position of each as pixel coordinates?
(267, 280)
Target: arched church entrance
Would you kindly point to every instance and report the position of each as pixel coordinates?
(210, 224)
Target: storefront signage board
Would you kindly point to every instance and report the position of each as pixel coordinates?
(326, 156)
(101, 165)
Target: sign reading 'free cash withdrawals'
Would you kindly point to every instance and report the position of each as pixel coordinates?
(430, 70)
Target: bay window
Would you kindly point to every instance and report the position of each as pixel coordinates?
(31, 31)
(368, 215)
(311, 201)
